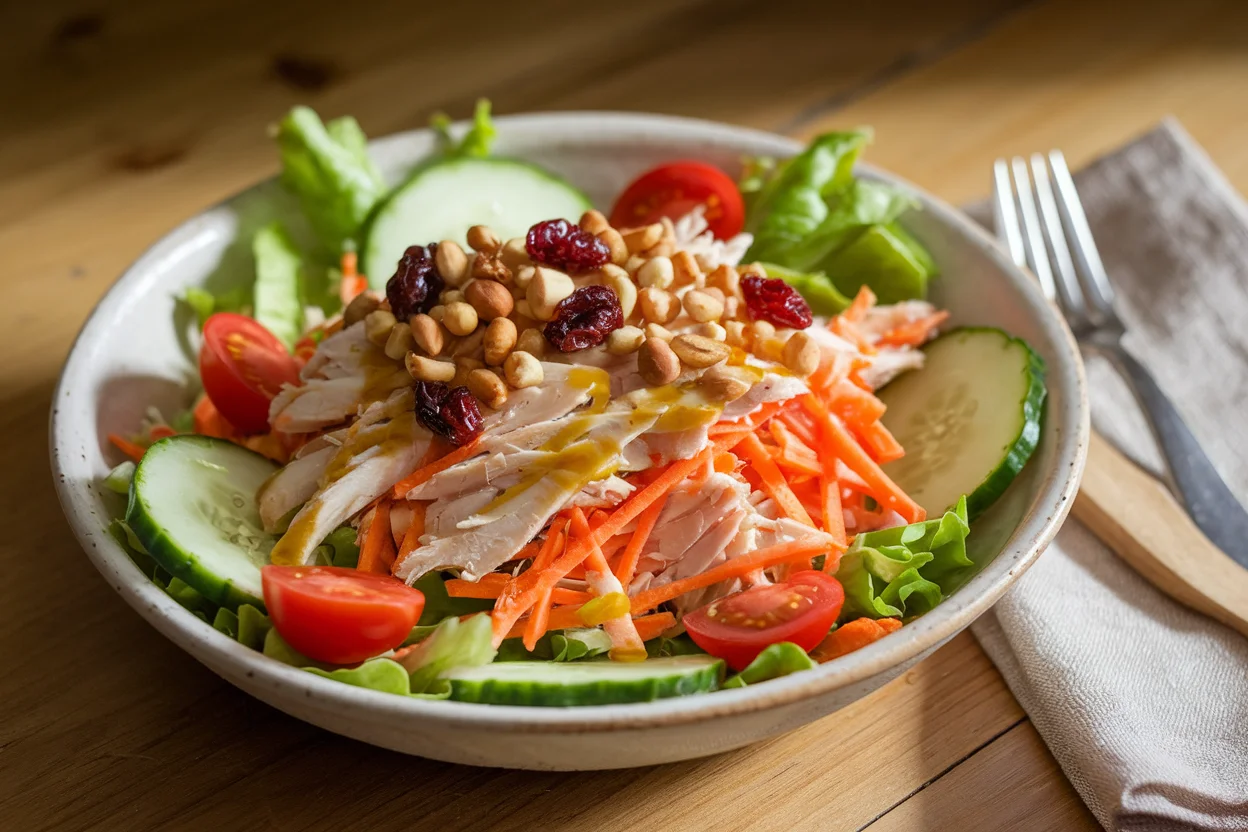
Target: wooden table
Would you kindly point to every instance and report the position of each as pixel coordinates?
(122, 118)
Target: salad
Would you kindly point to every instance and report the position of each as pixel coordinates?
(468, 437)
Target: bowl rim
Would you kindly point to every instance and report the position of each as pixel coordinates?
(1029, 538)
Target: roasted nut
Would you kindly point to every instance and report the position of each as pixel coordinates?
(514, 255)
(715, 292)
(427, 333)
(489, 267)
(634, 263)
(755, 269)
(698, 351)
(639, 239)
(483, 239)
(531, 341)
(488, 387)
(738, 335)
(546, 289)
(400, 341)
(658, 331)
(523, 275)
(702, 306)
(490, 300)
(522, 370)
(656, 362)
(686, 269)
(625, 290)
(656, 272)
(452, 263)
(762, 329)
(732, 307)
(658, 305)
(437, 312)
(377, 326)
(726, 279)
(499, 340)
(523, 309)
(714, 331)
(725, 384)
(801, 354)
(625, 340)
(469, 345)
(429, 369)
(450, 296)
(460, 318)
(593, 221)
(360, 307)
(615, 243)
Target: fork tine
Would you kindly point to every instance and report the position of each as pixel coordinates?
(1069, 292)
(1033, 237)
(1004, 214)
(1100, 292)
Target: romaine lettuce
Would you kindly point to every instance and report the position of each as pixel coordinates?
(278, 290)
(775, 661)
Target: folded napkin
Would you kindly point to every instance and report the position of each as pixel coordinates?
(1143, 702)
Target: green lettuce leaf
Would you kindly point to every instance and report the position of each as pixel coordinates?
(680, 645)
(853, 210)
(204, 303)
(775, 661)
(790, 205)
(820, 293)
(476, 142)
(328, 169)
(558, 646)
(339, 548)
(278, 291)
(385, 675)
(886, 259)
(455, 643)
(118, 479)
(906, 570)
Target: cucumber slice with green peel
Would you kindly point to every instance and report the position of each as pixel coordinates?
(443, 200)
(561, 684)
(969, 419)
(193, 507)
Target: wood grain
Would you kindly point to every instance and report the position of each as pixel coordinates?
(1142, 523)
(133, 114)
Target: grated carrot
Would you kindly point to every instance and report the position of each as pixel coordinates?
(541, 610)
(411, 538)
(627, 567)
(426, 472)
(880, 443)
(863, 301)
(853, 635)
(913, 333)
(127, 447)
(377, 554)
(773, 481)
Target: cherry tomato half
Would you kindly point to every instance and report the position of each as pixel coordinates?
(338, 615)
(675, 189)
(243, 366)
(739, 627)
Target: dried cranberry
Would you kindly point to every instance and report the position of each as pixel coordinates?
(451, 413)
(416, 283)
(584, 319)
(563, 245)
(771, 299)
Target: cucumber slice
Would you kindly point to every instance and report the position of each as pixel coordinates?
(443, 200)
(969, 420)
(193, 507)
(561, 684)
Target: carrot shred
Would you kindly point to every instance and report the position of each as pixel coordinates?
(536, 627)
(857, 407)
(564, 618)
(159, 432)
(527, 587)
(627, 567)
(411, 538)
(487, 590)
(843, 445)
(735, 568)
(374, 556)
(127, 447)
(845, 328)
(353, 283)
(652, 626)
(426, 472)
(913, 333)
(863, 301)
(880, 443)
(853, 635)
(773, 480)
(803, 427)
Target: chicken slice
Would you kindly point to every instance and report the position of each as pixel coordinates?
(292, 486)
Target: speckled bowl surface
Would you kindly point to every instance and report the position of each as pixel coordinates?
(131, 354)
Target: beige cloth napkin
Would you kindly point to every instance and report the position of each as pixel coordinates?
(1143, 702)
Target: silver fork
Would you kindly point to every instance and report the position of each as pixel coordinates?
(1040, 219)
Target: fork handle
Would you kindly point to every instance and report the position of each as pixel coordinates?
(1207, 497)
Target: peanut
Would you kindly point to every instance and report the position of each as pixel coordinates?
(490, 300)
(452, 263)
(437, 312)
(801, 354)
(713, 330)
(703, 306)
(531, 341)
(656, 273)
(460, 318)
(450, 296)
(483, 239)
(489, 267)
(594, 222)
(360, 307)
(658, 331)
(488, 387)
(625, 340)
(732, 307)
(514, 255)
(686, 269)
(726, 279)
(523, 370)
(377, 326)
(699, 352)
(499, 340)
(762, 329)
(656, 362)
(429, 369)
(428, 334)
(619, 249)
(625, 291)
(724, 384)
(658, 305)
(545, 290)
(639, 239)
(634, 263)
(737, 334)
(523, 275)
(400, 341)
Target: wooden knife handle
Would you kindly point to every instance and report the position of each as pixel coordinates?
(1136, 517)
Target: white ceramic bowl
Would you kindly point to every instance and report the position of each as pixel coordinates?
(130, 355)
